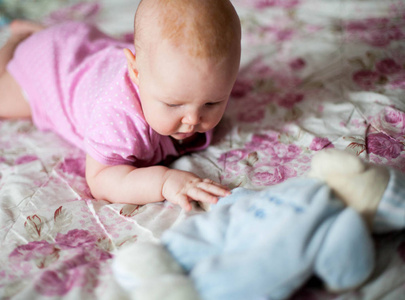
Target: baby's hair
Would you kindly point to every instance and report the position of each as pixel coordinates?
(206, 28)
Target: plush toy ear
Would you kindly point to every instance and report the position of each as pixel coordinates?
(132, 66)
(332, 161)
(356, 183)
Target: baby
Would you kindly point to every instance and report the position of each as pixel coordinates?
(130, 110)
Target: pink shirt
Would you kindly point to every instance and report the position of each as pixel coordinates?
(76, 80)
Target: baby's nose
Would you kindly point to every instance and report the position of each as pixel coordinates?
(192, 118)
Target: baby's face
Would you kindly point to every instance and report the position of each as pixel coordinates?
(182, 95)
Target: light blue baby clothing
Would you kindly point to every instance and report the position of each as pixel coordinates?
(266, 244)
(390, 214)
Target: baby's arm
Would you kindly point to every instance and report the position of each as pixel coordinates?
(127, 184)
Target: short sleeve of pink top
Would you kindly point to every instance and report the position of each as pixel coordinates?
(76, 80)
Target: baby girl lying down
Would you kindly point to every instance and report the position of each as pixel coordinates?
(130, 107)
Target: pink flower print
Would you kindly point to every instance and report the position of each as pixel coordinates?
(388, 66)
(378, 32)
(383, 145)
(74, 166)
(41, 252)
(366, 79)
(96, 254)
(25, 159)
(252, 113)
(279, 153)
(280, 34)
(377, 38)
(384, 37)
(73, 272)
(241, 88)
(319, 143)
(32, 250)
(284, 34)
(355, 26)
(231, 159)
(399, 82)
(262, 141)
(265, 178)
(297, 64)
(290, 99)
(77, 261)
(75, 238)
(52, 283)
(283, 153)
(393, 121)
(260, 69)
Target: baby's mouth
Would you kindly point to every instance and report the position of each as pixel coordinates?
(183, 135)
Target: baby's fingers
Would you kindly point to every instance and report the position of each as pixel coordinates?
(184, 202)
(214, 188)
(199, 194)
(208, 191)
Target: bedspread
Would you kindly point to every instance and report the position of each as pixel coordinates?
(314, 74)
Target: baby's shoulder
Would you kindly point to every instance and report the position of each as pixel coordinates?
(128, 112)
(116, 98)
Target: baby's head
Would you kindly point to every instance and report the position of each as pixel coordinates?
(186, 62)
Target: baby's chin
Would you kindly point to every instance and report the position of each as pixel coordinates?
(183, 136)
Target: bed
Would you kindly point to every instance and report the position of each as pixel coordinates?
(315, 74)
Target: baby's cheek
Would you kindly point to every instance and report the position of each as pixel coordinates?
(212, 120)
(160, 121)
(206, 127)
(165, 127)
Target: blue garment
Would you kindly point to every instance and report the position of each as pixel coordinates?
(390, 214)
(256, 244)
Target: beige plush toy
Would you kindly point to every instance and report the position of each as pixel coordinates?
(356, 183)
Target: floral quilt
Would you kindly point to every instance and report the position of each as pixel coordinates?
(315, 74)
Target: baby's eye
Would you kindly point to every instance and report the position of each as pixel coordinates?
(172, 105)
(211, 103)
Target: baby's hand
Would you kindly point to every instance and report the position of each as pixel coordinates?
(181, 187)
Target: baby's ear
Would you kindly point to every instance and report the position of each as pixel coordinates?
(132, 66)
